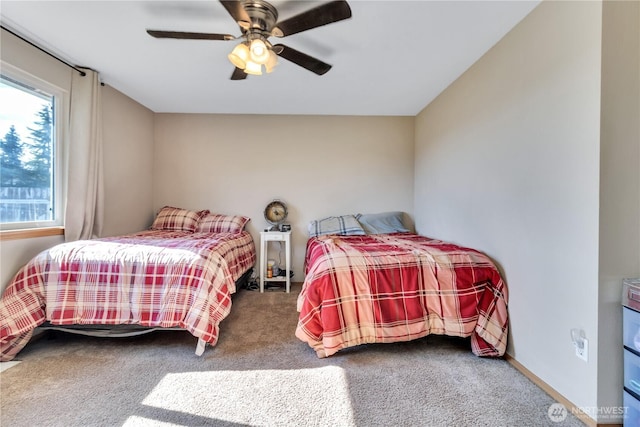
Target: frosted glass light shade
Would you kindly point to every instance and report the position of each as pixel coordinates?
(253, 68)
(271, 62)
(259, 53)
(239, 56)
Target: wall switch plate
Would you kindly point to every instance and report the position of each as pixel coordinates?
(583, 353)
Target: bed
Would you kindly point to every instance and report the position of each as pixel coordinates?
(181, 273)
(387, 284)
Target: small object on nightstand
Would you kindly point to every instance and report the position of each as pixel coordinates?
(275, 213)
(270, 265)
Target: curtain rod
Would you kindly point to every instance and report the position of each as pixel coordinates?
(82, 73)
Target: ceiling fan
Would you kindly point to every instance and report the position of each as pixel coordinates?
(258, 20)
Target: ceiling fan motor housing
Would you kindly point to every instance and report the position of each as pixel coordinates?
(263, 16)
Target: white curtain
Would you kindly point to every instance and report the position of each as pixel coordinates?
(85, 194)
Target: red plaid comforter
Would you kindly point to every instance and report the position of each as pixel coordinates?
(151, 278)
(399, 287)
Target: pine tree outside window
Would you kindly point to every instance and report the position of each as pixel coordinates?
(29, 197)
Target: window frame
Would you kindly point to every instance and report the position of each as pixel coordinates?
(60, 117)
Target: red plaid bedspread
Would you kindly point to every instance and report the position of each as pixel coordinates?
(399, 287)
(151, 278)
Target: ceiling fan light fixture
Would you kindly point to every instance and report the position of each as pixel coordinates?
(258, 51)
(239, 56)
(253, 68)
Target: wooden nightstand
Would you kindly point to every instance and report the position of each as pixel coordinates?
(275, 236)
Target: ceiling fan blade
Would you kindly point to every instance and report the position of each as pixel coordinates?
(237, 12)
(188, 36)
(302, 59)
(238, 74)
(321, 15)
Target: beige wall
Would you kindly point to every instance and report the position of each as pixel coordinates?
(318, 165)
(128, 159)
(507, 161)
(619, 183)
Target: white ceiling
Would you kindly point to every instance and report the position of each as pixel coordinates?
(391, 58)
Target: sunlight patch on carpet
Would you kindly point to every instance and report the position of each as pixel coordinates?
(143, 422)
(6, 365)
(256, 397)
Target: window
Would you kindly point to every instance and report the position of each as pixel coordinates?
(30, 193)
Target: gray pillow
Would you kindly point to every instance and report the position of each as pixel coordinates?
(381, 223)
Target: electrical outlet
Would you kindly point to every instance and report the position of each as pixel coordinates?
(583, 353)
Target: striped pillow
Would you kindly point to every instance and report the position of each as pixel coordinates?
(344, 225)
(177, 219)
(217, 223)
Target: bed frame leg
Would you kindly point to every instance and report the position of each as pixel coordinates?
(200, 347)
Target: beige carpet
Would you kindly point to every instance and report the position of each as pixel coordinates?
(259, 374)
